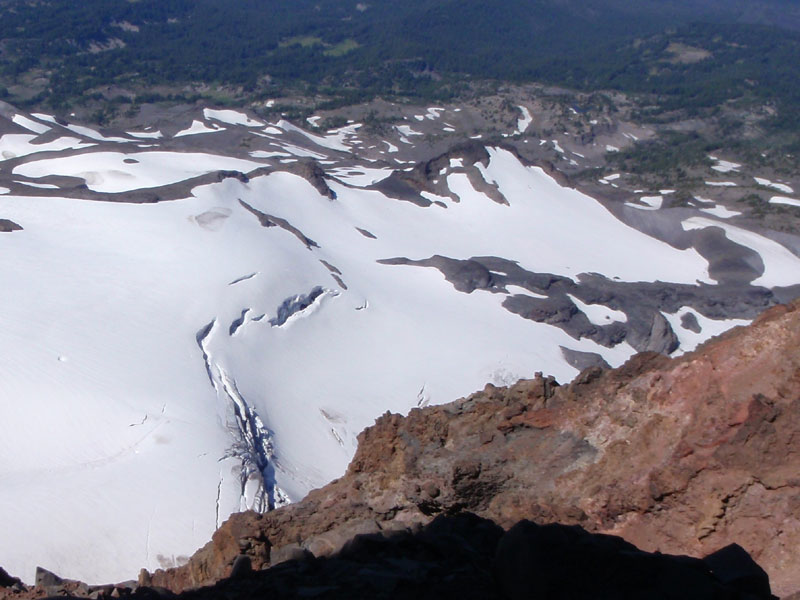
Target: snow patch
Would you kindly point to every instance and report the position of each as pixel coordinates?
(406, 131)
(231, 117)
(784, 200)
(30, 124)
(267, 154)
(146, 135)
(650, 203)
(721, 212)
(781, 187)
(524, 122)
(688, 339)
(335, 141)
(599, 314)
(198, 127)
(95, 135)
(360, 176)
(724, 166)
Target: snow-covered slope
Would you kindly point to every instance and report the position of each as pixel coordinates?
(166, 363)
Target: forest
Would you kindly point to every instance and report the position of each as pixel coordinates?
(59, 53)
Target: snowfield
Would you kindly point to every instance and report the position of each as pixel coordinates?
(113, 172)
(167, 364)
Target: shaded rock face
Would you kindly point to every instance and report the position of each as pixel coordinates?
(559, 561)
(464, 556)
(7, 226)
(7, 580)
(681, 456)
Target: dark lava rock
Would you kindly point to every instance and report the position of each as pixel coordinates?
(45, 578)
(7, 226)
(583, 360)
(273, 221)
(398, 186)
(689, 321)
(7, 580)
(465, 275)
(661, 339)
(313, 173)
(238, 175)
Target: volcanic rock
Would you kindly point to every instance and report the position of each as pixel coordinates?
(313, 173)
(681, 456)
(467, 557)
(7, 226)
(7, 580)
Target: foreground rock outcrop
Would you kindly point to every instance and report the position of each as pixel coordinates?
(680, 456)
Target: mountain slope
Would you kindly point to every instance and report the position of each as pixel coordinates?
(201, 315)
(681, 455)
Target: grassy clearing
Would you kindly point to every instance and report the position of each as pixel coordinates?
(342, 48)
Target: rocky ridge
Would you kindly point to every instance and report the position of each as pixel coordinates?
(680, 456)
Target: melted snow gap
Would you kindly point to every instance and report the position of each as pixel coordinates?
(238, 322)
(299, 303)
(252, 440)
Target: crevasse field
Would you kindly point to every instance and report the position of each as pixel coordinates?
(164, 364)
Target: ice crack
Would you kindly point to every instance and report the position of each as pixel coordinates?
(294, 305)
(237, 323)
(252, 444)
(201, 338)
